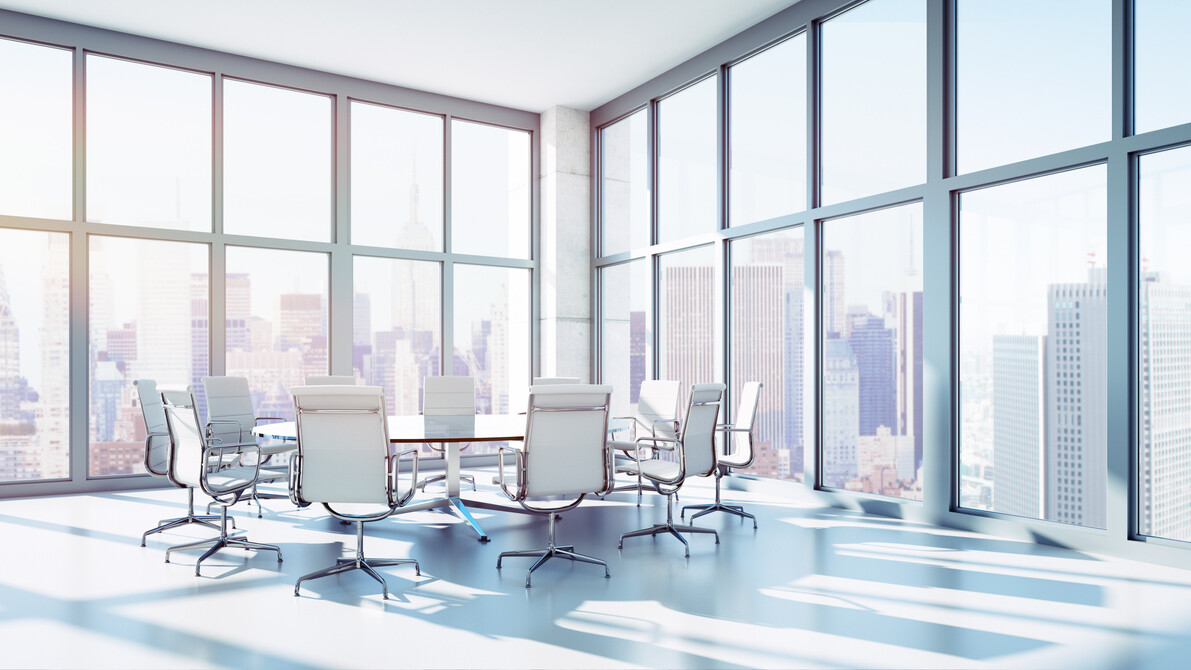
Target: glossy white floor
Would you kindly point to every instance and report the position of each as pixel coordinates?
(813, 587)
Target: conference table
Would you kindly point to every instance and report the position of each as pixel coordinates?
(452, 431)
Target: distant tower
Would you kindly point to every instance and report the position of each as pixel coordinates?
(1077, 399)
(1019, 424)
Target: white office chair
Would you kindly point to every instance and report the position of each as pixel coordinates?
(539, 381)
(656, 416)
(231, 418)
(695, 451)
(738, 452)
(343, 458)
(197, 462)
(157, 453)
(448, 396)
(330, 380)
(564, 454)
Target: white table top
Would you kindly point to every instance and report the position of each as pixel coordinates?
(419, 428)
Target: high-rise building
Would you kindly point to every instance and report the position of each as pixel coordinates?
(1019, 424)
(758, 333)
(238, 311)
(10, 357)
(53, 406)
(873, 345)
(638, 332)
(687, 333)
(1164, 465)
(1077, 400)
(835, 307)
(841, 412)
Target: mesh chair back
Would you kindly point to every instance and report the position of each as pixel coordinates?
(447, 396)
(657, 406)
(157, 448)
(186, 434)
(746, 417)
(540, 381)
(228, 399)
(565, 448)
(343, 441)
(698, 430)
(330, 380)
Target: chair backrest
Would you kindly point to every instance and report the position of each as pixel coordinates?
(540, 381)
(343, 443)
(657, 405)
(746, 417)
(330, 380)
(698, 429)
(228, 399)
(445, 396)
(157, 441)
(186, 435)
(565, 446)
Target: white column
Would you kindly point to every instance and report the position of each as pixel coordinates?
(566, 260)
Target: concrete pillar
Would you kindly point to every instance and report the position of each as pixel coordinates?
(566, 255)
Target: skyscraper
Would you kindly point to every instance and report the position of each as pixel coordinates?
(873, 345)
(1077, 393)
(1165, 403)
(834, 309)
(1019, 424)
(841, 412)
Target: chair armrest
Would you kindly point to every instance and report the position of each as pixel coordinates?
(500, 467)
(394, 470)
(221, 449)
(655, 440)
(148, 444)
(237, 424)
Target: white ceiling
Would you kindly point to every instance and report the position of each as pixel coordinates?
(525, 54)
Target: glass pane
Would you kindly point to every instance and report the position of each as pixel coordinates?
(148, 145)
(872, 367)
(34, 355)
(1033, 357)
(874, 99)
(767, 134)
(36, 135)
(489, 190)
(767, 340)
(492, 338)
(687, 318)
(397, 178)
(1164, 300)
(276, 322)
(396, 327)
(687, 139)
(1050, 92)
(148, 318)
(1161, 60)
(626, 356)
(625, 169)
(277, 162)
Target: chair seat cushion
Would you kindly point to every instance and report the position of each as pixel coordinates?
(231, 478)
(656, 468)
(731, 460)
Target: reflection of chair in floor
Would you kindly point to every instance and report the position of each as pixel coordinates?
(564, 454)
(738, 452)
(343, 458)
(695, 451)
(157, 452)
(448, 396)
(198, 462)
(231, 418)
(657, 407)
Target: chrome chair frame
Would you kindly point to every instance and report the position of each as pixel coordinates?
(552, 550)
(672, 444)
(724, 469)
(359, 562)
(255, 496)
(214, 454)
(191, 517)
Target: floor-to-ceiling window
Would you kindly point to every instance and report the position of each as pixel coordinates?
(169, 215)
(987, 314)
